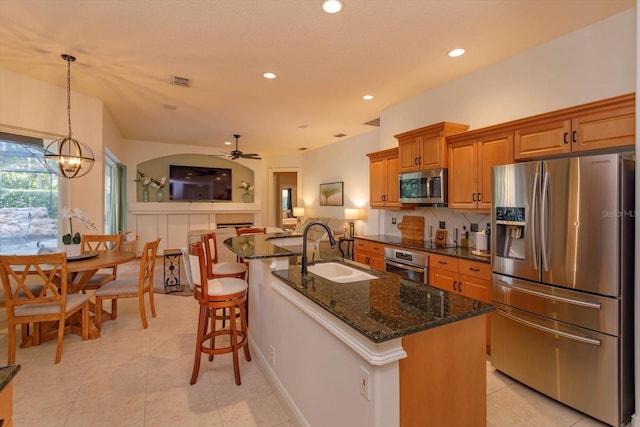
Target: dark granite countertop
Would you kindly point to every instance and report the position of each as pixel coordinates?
(385, 308)
(421, 245)
(256, 246)
(381, 309)
(6, 374)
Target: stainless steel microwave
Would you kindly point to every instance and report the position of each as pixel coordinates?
(427, 187)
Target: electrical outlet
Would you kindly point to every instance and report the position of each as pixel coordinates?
(442, 225)
(393, 220)
(272, 355)
(365, 383)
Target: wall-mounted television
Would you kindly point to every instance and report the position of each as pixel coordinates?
(199, 183)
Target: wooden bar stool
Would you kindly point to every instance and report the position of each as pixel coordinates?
(227, 294)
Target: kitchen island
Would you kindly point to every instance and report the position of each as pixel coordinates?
(380, 352)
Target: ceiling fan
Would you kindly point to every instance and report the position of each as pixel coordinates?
(236, 154)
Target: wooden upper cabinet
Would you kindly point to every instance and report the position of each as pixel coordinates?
(543, 139)
(471, 157)
(605, 129)
(384, 188)
(599, 125)
(425, 148)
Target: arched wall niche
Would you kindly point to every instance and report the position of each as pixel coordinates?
(159, 167)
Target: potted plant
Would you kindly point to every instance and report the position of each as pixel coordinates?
(70, 240)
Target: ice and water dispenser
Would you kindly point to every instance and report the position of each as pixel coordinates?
(509, 232)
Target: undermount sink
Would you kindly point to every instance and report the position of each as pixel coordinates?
(339, 273)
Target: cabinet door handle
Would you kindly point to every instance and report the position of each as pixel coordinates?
(473, 197)
(420, 160)
(459, 286)
(479, 197)
(455, 285)
(474, 269)
(564, 137)
(573, 136)
(442, 262)
(415, 161)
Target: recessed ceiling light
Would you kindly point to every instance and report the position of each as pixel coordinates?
(332, 6)
(227, 143)
(269, 75)
(456, 52)
(367, 97)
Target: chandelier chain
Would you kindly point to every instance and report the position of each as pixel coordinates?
(69, 95)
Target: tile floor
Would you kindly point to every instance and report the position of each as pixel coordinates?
(136, 377)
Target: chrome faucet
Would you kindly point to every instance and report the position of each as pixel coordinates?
(332, 241)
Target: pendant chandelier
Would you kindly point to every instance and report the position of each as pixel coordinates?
(67, 156)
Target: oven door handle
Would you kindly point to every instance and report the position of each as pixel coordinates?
(549, 330)
(405, 266)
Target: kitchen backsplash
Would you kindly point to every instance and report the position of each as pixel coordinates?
(432, 218)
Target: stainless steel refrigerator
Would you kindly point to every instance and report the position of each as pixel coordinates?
(563, 280)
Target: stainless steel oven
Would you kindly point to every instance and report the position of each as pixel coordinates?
(410, 265)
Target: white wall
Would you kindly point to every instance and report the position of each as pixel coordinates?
(33, 107)
(346, 162)
(593, 63)
(636, 416)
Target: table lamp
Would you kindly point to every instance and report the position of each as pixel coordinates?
(351, 215)
(298, 213)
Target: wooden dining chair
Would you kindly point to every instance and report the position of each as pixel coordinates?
(123, 288)
(50, 304)
(101, 242)
(227, 295)
(35, 289)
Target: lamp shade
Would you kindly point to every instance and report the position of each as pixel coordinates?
(298, 211)
(351, 214)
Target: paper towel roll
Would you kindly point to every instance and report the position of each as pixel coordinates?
(481, 241)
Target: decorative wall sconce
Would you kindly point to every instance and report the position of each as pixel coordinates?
(67, 156)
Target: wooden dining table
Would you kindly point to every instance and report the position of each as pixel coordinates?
(81, 270)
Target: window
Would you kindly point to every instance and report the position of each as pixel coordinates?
(115, 215)
(28, 197)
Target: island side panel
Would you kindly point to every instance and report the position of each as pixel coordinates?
(443, 377)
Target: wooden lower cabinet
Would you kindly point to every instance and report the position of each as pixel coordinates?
(369, 253)
(466, 277)
(443, 377)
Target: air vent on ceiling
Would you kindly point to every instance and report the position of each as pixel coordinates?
(339, 135)
(374, 122)
(180, 81)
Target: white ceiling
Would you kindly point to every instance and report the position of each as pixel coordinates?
(392, 49)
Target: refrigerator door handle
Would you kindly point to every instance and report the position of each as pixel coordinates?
(595, 305)
(549, 330)
(544, 226)
(534, 233)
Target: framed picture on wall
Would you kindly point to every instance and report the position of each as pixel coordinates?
(331, 194)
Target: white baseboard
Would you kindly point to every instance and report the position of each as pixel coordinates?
(635, 420)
